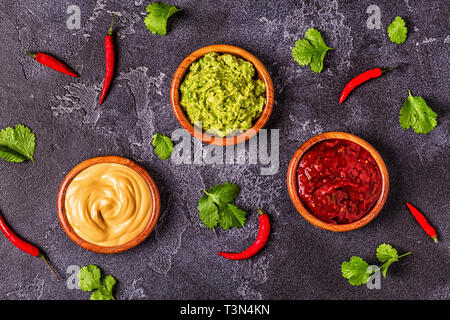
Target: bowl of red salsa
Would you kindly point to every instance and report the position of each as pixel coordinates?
(338, 181)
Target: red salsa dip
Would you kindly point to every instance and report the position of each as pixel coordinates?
(338, 181)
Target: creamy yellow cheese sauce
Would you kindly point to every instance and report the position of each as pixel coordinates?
(108, 204)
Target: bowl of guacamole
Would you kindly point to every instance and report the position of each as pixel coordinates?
(223, 92)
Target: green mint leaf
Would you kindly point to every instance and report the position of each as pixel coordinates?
(356, 271)
(386, 252)
(231, 217)
(158, 14)
(89, 278)
(208, 212)
(311, 50)
(416, 114)
(17, 144)
(163, 146)
(104, 292)
(397, 30)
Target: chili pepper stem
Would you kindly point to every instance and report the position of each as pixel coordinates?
(435, 239)
(111, 27)
(384, 70)
(48, 264)
(33, 55)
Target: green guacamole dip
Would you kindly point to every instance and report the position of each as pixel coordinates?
(221, 95)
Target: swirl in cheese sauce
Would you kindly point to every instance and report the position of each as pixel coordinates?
(108, 204)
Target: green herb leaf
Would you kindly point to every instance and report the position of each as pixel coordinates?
(385, 266)
(215, 207)
(104, 292)
(311, 50)
(397, 30)
(163, 146)
(416, 114)
(158, 13)
(89, 278)
(356, 271)
(208, 211)
(386, 252)
(232, 216)
(387, 255)
(17, 144)
(224, 193)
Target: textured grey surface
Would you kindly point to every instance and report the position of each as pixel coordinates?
(178, 260)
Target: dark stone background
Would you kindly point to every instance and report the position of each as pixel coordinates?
(178, 260)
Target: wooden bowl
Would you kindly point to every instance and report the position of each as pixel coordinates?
(293, 187)
(60, 205)
(181, 116)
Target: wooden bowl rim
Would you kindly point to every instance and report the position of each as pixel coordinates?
(201, 135)
(60, 205)
(298, 203)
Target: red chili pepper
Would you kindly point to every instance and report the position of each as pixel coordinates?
(261, 240)
(426, 226)
(52, 62)
(22, 244)
(110, 59)
(360, 79)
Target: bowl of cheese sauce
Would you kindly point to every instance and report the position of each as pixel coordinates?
(108, 204)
